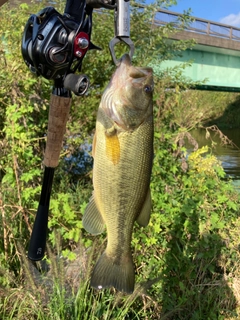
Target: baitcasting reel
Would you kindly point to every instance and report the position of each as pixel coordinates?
(54, 45)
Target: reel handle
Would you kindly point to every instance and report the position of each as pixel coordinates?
(76, 83)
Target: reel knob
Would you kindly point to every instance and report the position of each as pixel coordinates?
(78, 84)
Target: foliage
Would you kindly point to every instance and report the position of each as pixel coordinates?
(186, 259)
(185, 241)
(194, 108)
(208, 165)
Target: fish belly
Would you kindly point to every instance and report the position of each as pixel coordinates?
(122, 170)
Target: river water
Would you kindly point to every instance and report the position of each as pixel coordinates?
(229, 155)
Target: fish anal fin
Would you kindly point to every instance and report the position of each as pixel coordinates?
(92, 219)
(144, 216)
(108, 274)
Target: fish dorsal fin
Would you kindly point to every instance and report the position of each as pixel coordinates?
(145, 213)
(92, 220)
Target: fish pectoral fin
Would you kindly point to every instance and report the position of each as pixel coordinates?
(112, 146)
(92, 219)
(144, 216)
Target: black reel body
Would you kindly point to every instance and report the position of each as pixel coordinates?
(43, 44)
(53, 45)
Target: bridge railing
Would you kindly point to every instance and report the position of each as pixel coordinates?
(198, 25)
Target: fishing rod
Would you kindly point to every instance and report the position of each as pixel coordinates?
(53, 46)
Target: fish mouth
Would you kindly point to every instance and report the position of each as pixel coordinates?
(133, 72)
(126, 60)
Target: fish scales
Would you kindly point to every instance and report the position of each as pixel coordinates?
(125, 185)
(123, 152)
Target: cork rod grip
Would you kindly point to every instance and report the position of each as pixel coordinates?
(57, 120)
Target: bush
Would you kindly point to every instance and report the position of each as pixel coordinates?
(186, 259)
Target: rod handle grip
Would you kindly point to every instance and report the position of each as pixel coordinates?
(57, 120)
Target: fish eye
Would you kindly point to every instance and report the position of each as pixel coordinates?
(147, 88)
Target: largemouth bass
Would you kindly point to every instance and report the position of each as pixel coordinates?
(123, 153)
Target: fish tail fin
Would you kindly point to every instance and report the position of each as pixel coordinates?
(109, 273)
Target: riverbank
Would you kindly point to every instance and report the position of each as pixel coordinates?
(217, 108)
(194, 109)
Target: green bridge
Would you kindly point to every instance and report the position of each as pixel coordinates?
(215, 57)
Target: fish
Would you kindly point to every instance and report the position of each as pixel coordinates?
(123, 154)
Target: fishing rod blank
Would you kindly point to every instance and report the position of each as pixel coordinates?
(39, 233)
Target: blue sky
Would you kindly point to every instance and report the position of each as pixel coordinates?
(224, 11)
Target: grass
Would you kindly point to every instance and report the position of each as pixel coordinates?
(172, 282)
(55, 295)
(63, 292)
